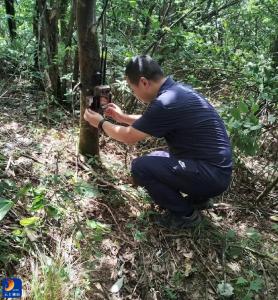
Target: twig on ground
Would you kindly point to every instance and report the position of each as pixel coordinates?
(76, 162)
(117, 224)
(169, 248)
(206, 292)
(265, 281)
(2, 96)
(9, 163)
(267, 190)
(139, 281)
(265, 255)
(33, 158)
(206, 266)
(57, 163)
(109, 184)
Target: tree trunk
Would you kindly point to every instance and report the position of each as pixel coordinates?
(63, 6)
(75, 68)
(37, 31)
(147, 26)
(66, 35)
(10, 11)
(89, 65)
(274, 52)
(50, 32)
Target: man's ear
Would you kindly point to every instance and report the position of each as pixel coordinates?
(145, 82)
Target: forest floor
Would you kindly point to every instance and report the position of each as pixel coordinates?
(81, 231)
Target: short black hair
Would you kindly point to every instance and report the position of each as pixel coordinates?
(143, 66)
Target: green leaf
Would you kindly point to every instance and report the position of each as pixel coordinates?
(235, 113)
(139, 236)
(52, 211)
(243, 107)
(255, 107)
(97, 225)
(5, 206)
(17, 232)
(256, 285)
(132, 3)
(7, 185)
(256, 127)
(231, 234)
(249, 296)
(275, 227)
(253, 234)
(38, 203)
(241, 281)
(254, 120)
(79, 236)
(86, 189)
(29, 221)
(24, 190)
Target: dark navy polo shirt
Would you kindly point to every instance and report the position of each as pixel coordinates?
(191, 126)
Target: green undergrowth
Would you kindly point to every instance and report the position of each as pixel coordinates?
(71, 232)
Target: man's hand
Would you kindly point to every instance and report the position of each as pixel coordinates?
(113, 111)
(92, 117)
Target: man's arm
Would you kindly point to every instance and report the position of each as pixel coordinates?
(130, 119)
(127, 135)
(113, 111)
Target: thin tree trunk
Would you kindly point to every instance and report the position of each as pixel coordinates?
(63, 5)
(50, 32)
(66, 35)
(75, 68)
(89, 65)
(37, 31)
(274, 52)
(10, 11)
(147, 26)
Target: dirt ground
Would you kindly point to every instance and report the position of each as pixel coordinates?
(97, 231)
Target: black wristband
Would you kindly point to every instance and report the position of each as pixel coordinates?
(100, 124)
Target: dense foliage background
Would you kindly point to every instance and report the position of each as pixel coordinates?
(228, 49)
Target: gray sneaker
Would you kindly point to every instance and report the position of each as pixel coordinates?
(171, 221)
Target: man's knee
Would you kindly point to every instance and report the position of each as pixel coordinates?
(137, 166)
(139, 170)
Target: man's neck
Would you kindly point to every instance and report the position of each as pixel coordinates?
(156, 87)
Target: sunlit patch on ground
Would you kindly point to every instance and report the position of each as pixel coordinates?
(86, 231)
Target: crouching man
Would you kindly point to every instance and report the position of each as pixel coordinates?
(199, 160)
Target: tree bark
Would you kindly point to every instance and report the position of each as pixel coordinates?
(37, 31)
(75, 68)
(10, 11)
(63, 6)
(274, 52)
(89, 65)
(147, 26)
(50, 33)
(66, 35)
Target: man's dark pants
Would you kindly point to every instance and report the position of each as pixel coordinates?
(165, 177)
